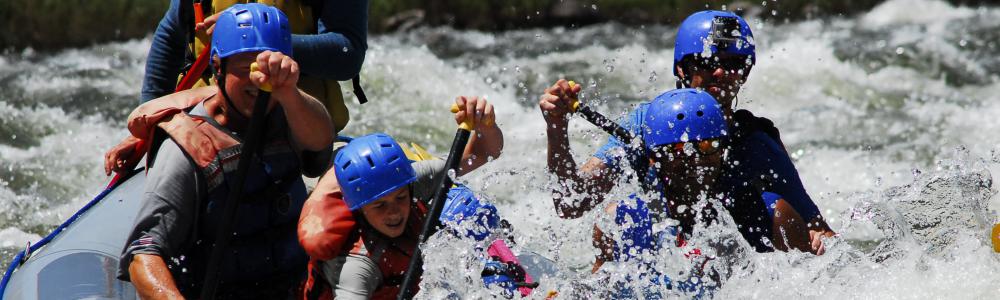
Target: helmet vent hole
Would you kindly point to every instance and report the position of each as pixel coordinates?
(386, 145)
(370, 161)
(346, 165)
(700, 113)
(266, 19)
(393, 159)
(680, 116)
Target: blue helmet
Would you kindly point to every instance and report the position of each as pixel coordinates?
(370, 167)
(250, 28)
(462, 205)
(722, 31)
(682, 115)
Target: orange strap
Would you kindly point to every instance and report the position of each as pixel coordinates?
(201, 62)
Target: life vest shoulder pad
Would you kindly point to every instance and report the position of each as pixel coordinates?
(326, 224)
(197, 137)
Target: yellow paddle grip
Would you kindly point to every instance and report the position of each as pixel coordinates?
(468, 124)
(996, 238)
(576, 102)
(263, 87)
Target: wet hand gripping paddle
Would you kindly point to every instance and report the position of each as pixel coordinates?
(415, 270)
(249, 148)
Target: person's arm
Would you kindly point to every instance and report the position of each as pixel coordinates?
(163, 224)
(784, 180)
(486, 141)
(338, 49)
(152, 279)
(352, 276)
(166, 55)
(308, 121)
(593, 180)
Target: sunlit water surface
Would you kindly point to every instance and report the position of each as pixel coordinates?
(890, 117)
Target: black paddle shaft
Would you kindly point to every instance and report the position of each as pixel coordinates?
(250, 147)
(606, 124)
(415, 269)
(621, 134)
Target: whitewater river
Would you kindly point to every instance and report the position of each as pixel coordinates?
(891, 118)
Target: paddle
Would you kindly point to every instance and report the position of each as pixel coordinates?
(600, 120)
(611, 128)
(431, 223)
(248, 149)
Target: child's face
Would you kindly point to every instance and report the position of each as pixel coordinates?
(388, 214)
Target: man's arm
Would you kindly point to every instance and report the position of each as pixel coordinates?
(151, 278)
(166, 55)
(785, 181)
(163, 224)
(337, 51)
(592, 181)
(308, 121)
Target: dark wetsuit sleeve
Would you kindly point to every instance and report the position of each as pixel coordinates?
(166, 55)
(338, 49)
(770, 162)
(612, 152)
(169, 201)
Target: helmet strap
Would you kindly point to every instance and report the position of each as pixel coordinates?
(220, 79)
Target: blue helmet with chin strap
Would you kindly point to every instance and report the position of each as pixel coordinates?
(251, 27)
(710, 32)
(370, 167)
(682, 115)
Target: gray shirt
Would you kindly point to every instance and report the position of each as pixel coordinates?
(357, 276)
(165, 225)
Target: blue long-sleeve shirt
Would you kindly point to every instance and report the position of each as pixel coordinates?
(336, 52)
(761, 160)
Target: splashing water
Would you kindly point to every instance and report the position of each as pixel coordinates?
(890, 144)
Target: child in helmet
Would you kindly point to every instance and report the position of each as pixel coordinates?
(362, 222)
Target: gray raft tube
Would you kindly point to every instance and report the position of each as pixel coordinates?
(79, 259)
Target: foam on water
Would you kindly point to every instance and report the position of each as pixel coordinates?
(889, 116)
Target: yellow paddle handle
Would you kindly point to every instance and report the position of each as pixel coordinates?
(468, 124)
(996, 238)
(266, 86)
(576, 102)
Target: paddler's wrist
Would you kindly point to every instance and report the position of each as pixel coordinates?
(289, 96)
